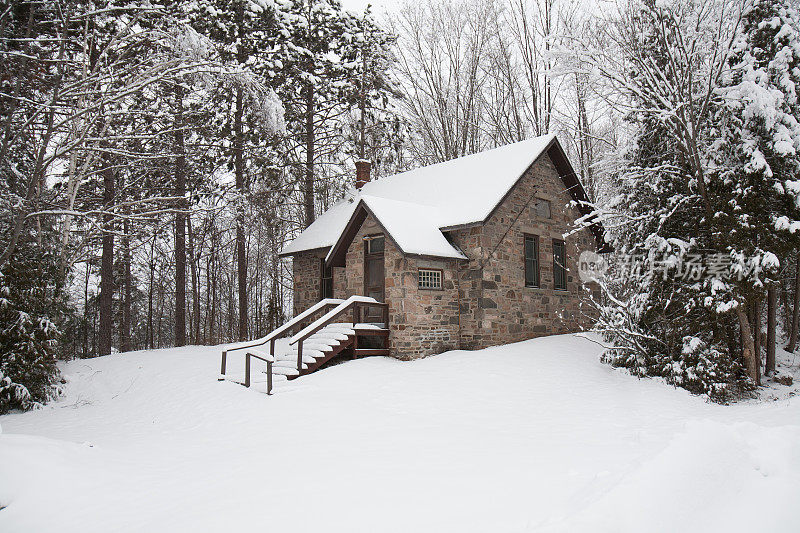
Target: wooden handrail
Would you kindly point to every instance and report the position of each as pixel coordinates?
(356, 303)
(270, 338)
(353, 302)
(327, 302)
(334, 313)
(267, 358)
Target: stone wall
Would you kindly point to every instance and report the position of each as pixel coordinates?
(430, 319)
(484, 300)
(307, 280)
(421, 322)
(497, 307)
(306, 277)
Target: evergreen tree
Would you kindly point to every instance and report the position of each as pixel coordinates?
(319, 69)
(32, 305)
(659, 310)
(758, 155)
(709, 197)
(757, 164)
(245, 33)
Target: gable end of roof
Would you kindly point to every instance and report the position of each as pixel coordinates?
(338, 252)
(572, 185)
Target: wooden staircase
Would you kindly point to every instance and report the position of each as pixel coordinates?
(315, 344)
(326, 344)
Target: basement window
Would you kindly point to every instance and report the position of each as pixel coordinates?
(430, 279)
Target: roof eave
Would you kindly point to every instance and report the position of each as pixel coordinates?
(305, 250)
(575, 189)
(457, 227)
(439, 257)
(338, 252)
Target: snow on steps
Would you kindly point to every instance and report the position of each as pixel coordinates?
(315, 347)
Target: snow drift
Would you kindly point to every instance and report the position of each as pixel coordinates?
(535, 436)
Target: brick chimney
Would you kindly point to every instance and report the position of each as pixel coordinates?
(362, 173)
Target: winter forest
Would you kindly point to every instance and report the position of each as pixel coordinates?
(155, 156)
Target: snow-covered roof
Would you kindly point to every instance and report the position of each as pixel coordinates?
(414, 206)
(413, 227)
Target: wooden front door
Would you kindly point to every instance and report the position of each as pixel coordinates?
(374, 276)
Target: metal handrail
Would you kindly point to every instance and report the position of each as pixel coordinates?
(270, 338)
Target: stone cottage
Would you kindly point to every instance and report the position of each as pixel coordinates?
(466, 254)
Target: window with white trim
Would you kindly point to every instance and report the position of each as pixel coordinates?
(430, 279)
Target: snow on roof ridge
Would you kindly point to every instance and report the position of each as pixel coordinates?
(460, 191)
(462, 159)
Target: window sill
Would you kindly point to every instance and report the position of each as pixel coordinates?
(559, 291)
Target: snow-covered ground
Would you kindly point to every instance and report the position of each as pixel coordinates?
(535, 436)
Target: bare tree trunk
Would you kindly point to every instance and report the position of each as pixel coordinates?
(584, 142)
(548, 96)
(274, 298)
(180, 224)
(255, 293)
(241, 256)
(193, 255)
(783, 304)
(231, 331)
(757, 344)
(107, 263)
(238, 148)
(125, 337)
(212, 271)
(208, 318)
(772, 312)
(308, 181)
(159, 340)
(150, 333)
(748, 349)
(95, 320)
(796, 309)
(86, 304)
